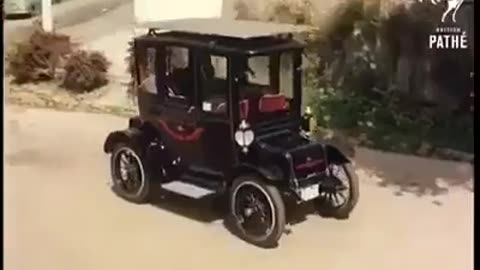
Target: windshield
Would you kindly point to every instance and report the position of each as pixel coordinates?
(262, 71)
(266, 82)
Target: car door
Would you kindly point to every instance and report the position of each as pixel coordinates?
(177, 117)
(216, 144)
(181, 132)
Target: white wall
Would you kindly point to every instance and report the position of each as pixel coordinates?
(159, 10)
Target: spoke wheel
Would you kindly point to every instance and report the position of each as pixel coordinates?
(128, 170)
(339, 192)
(254, 211)
(128, 174)
(258, 211)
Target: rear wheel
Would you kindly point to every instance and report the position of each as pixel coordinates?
(258, 211)
(339, 195)
(130, 177)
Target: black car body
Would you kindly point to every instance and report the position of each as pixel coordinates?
(208, 120)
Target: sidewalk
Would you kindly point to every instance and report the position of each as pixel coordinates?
(65, 14)
(110, 34)
(105, 26)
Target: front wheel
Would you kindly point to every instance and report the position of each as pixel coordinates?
(258, 211)
(339, 195)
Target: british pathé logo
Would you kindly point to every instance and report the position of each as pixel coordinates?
(452, 37)
(448, 38)
(452, 7)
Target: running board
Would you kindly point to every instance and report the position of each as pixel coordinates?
(188, 189)
(205, 171)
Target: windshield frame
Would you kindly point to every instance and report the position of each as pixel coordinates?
(238, 70)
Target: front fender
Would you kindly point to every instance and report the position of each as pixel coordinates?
(271, 173)
(127, 135)
(335, 156)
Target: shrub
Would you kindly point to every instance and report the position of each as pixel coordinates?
(294, 12)
(132, 70)
(352, 87)
(37, 58)
(85, 71)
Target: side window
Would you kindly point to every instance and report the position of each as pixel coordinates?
(151, 55)
(260, 67)
(147, 71)
(179, 76)
(286, 74)
(220, 66)
(213, 83)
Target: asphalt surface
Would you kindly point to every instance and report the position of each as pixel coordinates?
(61, 214)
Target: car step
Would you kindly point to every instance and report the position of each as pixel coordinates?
(194, 187)
(187, 189)
(205, 171)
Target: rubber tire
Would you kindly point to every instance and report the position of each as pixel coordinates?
(344, 211)
(144, 195)
(278, 204)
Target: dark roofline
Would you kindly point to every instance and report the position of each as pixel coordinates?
(240, 29)
(225, 45)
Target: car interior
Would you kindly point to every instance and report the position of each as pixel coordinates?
(257, 101)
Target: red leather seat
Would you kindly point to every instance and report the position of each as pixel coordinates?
(272, 103)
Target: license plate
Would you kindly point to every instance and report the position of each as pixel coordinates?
(310, 192)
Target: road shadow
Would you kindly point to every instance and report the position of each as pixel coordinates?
(214, 208)
(411, 174)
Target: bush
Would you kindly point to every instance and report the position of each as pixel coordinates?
(294, 12)
(353, 85)
(85, 71)
(132, 70)
(388, 122)
(38, 57)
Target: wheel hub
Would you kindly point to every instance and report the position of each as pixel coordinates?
(127, 167)
(332, 184)
(128, 170)
(248, 212)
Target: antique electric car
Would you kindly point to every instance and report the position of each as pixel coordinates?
(220, 113)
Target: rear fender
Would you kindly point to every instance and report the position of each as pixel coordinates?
(129, 135)
(135, 122)
(334, 155)
(138, 131)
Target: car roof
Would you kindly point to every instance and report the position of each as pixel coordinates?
(226, 36)
(227, 28)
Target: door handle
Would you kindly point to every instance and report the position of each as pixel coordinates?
(180, 128)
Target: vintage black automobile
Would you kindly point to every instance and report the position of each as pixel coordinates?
(220, 112)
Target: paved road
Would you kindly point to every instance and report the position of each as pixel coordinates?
(67, 13)
(61, 214)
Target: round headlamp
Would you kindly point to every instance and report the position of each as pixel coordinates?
(244, 136)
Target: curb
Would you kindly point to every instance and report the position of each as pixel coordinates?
(75, 11)
(61, 100)
(49, 103)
